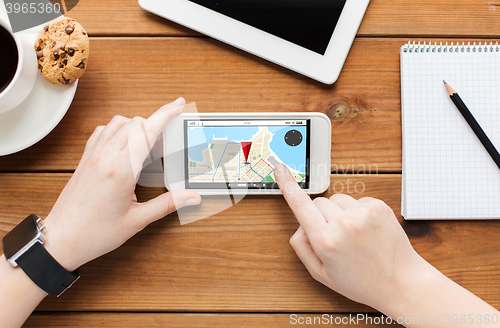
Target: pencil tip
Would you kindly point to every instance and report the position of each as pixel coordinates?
(448, 88)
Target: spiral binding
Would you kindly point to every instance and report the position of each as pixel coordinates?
(418, 47)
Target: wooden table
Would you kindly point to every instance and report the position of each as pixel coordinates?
(236, 269)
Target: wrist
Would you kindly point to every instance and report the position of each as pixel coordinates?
(19, 295)
(14, 277)
(426, 294)
(409, 287)
(58, 245)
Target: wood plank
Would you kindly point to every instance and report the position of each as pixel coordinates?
(178, 320)
(135, 76)
(364, 105)
(234, 262)
(430, 18)
(467, 18)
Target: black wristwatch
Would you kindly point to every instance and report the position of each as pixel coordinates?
(23, 246)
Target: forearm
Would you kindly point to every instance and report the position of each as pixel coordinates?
(430, 299)
(19, 295)
(97, 211)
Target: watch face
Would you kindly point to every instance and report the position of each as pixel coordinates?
(21, 235)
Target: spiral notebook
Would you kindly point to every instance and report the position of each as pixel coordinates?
(447, 173)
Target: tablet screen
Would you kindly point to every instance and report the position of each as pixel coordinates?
(242, 153)
(307, 23)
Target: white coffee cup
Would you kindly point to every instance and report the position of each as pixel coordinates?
(27, 69)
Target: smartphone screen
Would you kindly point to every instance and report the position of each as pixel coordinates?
(242, 153)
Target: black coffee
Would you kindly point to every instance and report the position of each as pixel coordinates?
(9, 58)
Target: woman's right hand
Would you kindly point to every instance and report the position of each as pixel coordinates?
(355, 247)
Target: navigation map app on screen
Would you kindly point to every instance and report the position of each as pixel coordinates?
(243, 153)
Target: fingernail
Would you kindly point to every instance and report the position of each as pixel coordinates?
(280, 169)
(193, 201)
(180, 100)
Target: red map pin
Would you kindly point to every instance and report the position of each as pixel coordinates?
(246, 149)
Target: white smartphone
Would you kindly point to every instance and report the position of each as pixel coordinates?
(221, 153)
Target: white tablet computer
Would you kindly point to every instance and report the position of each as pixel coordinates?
(311, 37)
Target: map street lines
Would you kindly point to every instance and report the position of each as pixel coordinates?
(224, 161)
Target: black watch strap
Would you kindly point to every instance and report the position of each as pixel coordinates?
(45, 271)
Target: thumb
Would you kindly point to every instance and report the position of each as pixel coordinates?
(302, 247)
(167, 203)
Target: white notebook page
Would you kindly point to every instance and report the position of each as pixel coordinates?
(447, 172)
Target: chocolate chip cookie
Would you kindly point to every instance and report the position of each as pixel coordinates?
(62, 49)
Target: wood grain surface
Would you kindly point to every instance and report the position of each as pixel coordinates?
(197, 320)
(419, 18)
(364, 104)
(243, 263)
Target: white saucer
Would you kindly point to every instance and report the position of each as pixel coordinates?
(38, 115)
(35, 117)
